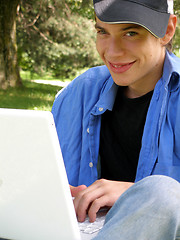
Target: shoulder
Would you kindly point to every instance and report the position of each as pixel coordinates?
(84, 89)
(172, 62)
(90, 81)
(94, 78)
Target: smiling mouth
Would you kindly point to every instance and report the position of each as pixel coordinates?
(121, 67)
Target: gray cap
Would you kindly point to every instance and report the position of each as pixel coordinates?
(150, 14)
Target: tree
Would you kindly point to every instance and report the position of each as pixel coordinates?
(9, 71)
(52, 35)
(56, 36)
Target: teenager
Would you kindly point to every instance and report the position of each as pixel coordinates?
(119, 123)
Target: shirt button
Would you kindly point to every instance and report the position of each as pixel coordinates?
(101, 109)
(87, 130)
(90, 164)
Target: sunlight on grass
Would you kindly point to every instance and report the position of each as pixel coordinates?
(33, 76)
(33, 95)
(30, 96)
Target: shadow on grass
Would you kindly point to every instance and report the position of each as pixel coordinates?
(30, 96)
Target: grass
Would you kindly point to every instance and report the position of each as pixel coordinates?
(30, 95)
(47, 76)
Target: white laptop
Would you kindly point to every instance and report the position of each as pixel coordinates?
(35, 200)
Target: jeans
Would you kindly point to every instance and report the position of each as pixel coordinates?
(149, 210)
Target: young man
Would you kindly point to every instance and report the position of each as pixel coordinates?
(119, 123)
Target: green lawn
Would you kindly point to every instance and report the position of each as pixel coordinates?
(30, 96)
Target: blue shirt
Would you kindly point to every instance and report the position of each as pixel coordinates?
(77, 112)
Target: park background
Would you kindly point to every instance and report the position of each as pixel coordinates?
(44, 44)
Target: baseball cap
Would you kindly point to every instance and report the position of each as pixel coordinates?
(153, 15)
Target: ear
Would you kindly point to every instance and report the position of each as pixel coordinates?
(170, 30)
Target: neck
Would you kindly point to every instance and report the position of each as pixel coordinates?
(133, 93)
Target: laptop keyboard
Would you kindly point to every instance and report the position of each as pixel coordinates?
(90, 228)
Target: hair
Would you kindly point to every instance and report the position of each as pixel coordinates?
(169, 46)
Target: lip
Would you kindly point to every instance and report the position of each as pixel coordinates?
(120, 67)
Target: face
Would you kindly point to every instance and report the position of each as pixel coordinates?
(133, 56)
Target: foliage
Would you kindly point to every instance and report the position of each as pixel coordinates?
(56, 36)
(177, 35)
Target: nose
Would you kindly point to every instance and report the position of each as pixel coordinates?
(115, 47)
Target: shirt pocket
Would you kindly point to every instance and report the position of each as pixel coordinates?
(167, 170)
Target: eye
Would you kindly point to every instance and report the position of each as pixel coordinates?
(131, 34)
(101, 31)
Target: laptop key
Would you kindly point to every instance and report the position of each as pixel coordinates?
(90, 228)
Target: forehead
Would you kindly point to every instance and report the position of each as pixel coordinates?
(118, 26)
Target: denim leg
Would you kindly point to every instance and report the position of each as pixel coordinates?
(149, 210)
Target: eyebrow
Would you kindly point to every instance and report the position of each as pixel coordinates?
(133, 26)
(97, 26)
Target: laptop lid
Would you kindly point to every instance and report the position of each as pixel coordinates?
(35, 200)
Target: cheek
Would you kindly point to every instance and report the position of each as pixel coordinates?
(145, 54)
(100, 49)
(98, 46)
(153, 55)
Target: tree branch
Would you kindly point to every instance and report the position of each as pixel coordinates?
(33, 22)
(42, 34)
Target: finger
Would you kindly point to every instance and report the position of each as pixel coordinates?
(85, 190)
(79, 194)
(76, 190)
(96, 206)
(83, 202)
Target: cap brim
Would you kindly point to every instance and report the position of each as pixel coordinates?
(129, 12)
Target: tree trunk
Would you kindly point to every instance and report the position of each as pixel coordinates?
(9, 70)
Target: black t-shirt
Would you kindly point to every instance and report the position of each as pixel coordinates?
(120, 138)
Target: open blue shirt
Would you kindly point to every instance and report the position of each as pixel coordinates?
(77, 112)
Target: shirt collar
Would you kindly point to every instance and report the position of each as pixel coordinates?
(172, 62)
(171, 71)
(107, 97)
(109, 91)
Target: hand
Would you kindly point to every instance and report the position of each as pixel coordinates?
(100, 194)
(76, 190)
